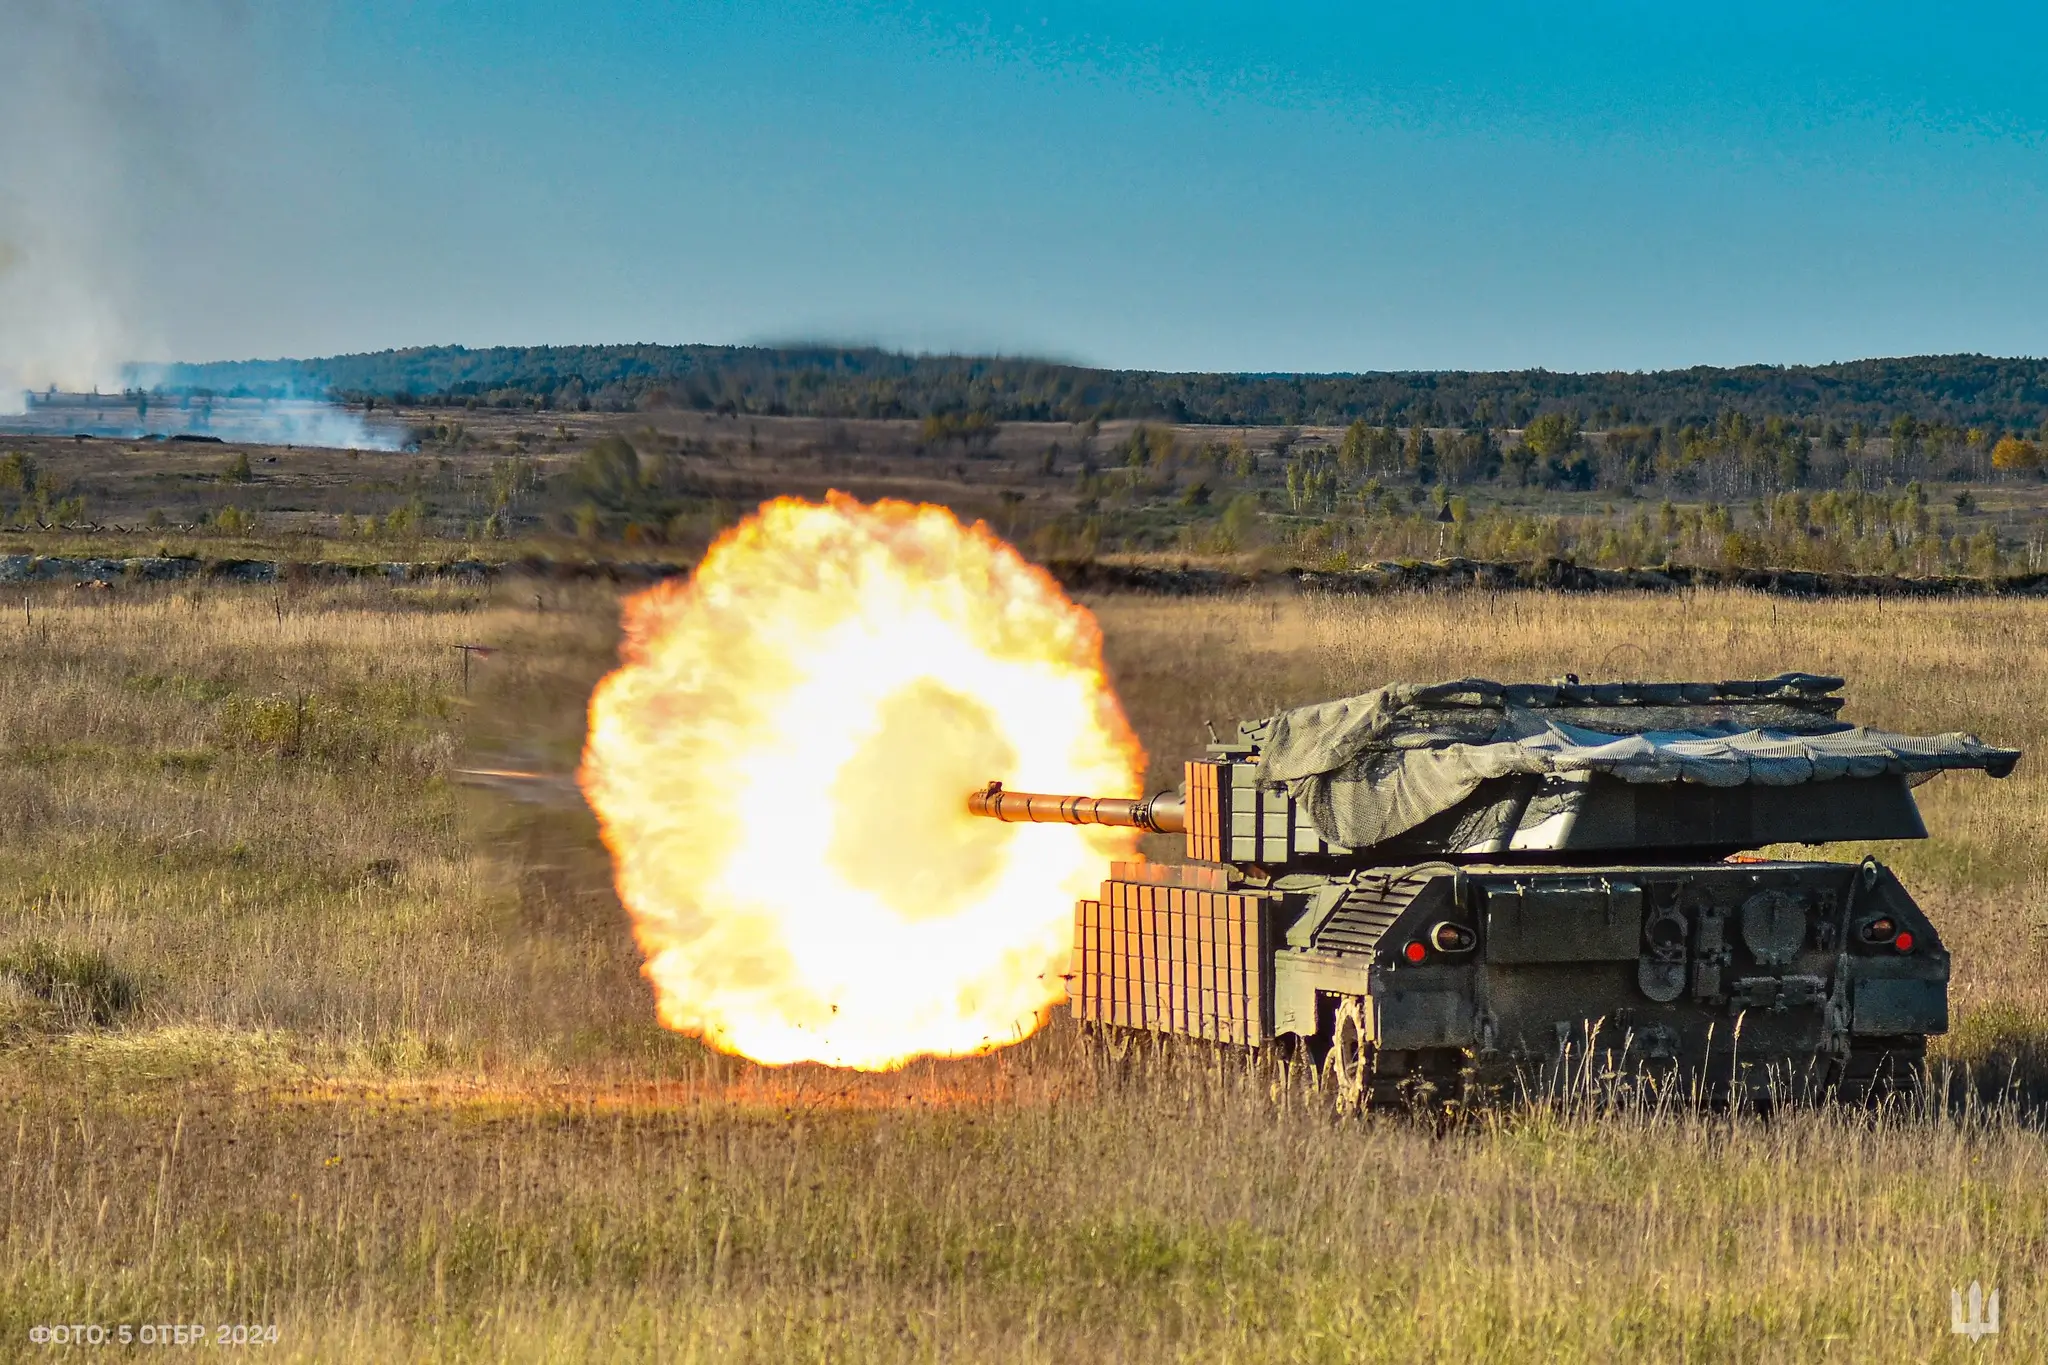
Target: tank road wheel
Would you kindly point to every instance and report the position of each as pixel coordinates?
(1348, 1068)
(1108, 1047)
(1294, 1079)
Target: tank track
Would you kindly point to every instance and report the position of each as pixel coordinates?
(1355, 1074)
(1352, 1076)
(1436, 1080)
(1439, 1080)
(1876, 1071)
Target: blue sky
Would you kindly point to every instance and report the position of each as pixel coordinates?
(1186, 186)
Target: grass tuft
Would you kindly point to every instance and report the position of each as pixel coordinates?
(80, 986)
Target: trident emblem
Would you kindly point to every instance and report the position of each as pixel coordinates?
(1980, 1323)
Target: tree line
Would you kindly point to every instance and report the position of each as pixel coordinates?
(1956, 390)
(1732, 459)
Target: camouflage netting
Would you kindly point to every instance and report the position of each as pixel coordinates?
(1372, 766)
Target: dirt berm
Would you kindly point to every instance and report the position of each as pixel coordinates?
(1087, 575)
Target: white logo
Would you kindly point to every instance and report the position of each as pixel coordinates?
(1980, 1323)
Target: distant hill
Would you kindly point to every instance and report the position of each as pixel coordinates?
(1969, 390)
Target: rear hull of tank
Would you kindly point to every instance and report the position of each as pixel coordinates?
(1717, 993)
(1706, 1016)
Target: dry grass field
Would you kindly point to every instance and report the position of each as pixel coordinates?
(295, 1031)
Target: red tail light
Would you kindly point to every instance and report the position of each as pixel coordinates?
(1415, 952)
(1904, 942)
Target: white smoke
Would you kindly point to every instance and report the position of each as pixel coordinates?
(110, 111)
(143, 414)
(92, 110)
(308, 424)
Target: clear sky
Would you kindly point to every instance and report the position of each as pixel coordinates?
(1178, 186)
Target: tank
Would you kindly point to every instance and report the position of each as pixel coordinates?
(1429, 893)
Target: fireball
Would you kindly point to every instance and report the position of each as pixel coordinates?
(780, 767)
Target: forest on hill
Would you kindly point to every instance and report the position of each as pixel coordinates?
(1957, 390)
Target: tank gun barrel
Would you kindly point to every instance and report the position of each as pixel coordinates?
(1165, 813)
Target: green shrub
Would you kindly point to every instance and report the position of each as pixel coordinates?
(275, 724)
(18, 472)
(609, 471)
(82, 984)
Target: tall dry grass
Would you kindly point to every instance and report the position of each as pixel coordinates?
(389, 1079)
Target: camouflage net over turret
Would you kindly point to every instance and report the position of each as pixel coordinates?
(1370, 767)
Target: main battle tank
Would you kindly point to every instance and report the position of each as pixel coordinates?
(1424, 889)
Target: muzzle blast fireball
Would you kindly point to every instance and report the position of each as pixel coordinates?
(780, 767)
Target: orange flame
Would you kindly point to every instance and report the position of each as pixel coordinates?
(781, 766)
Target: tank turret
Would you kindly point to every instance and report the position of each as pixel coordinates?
(1426, 887)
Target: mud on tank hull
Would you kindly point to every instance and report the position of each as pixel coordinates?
(1784, 975)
